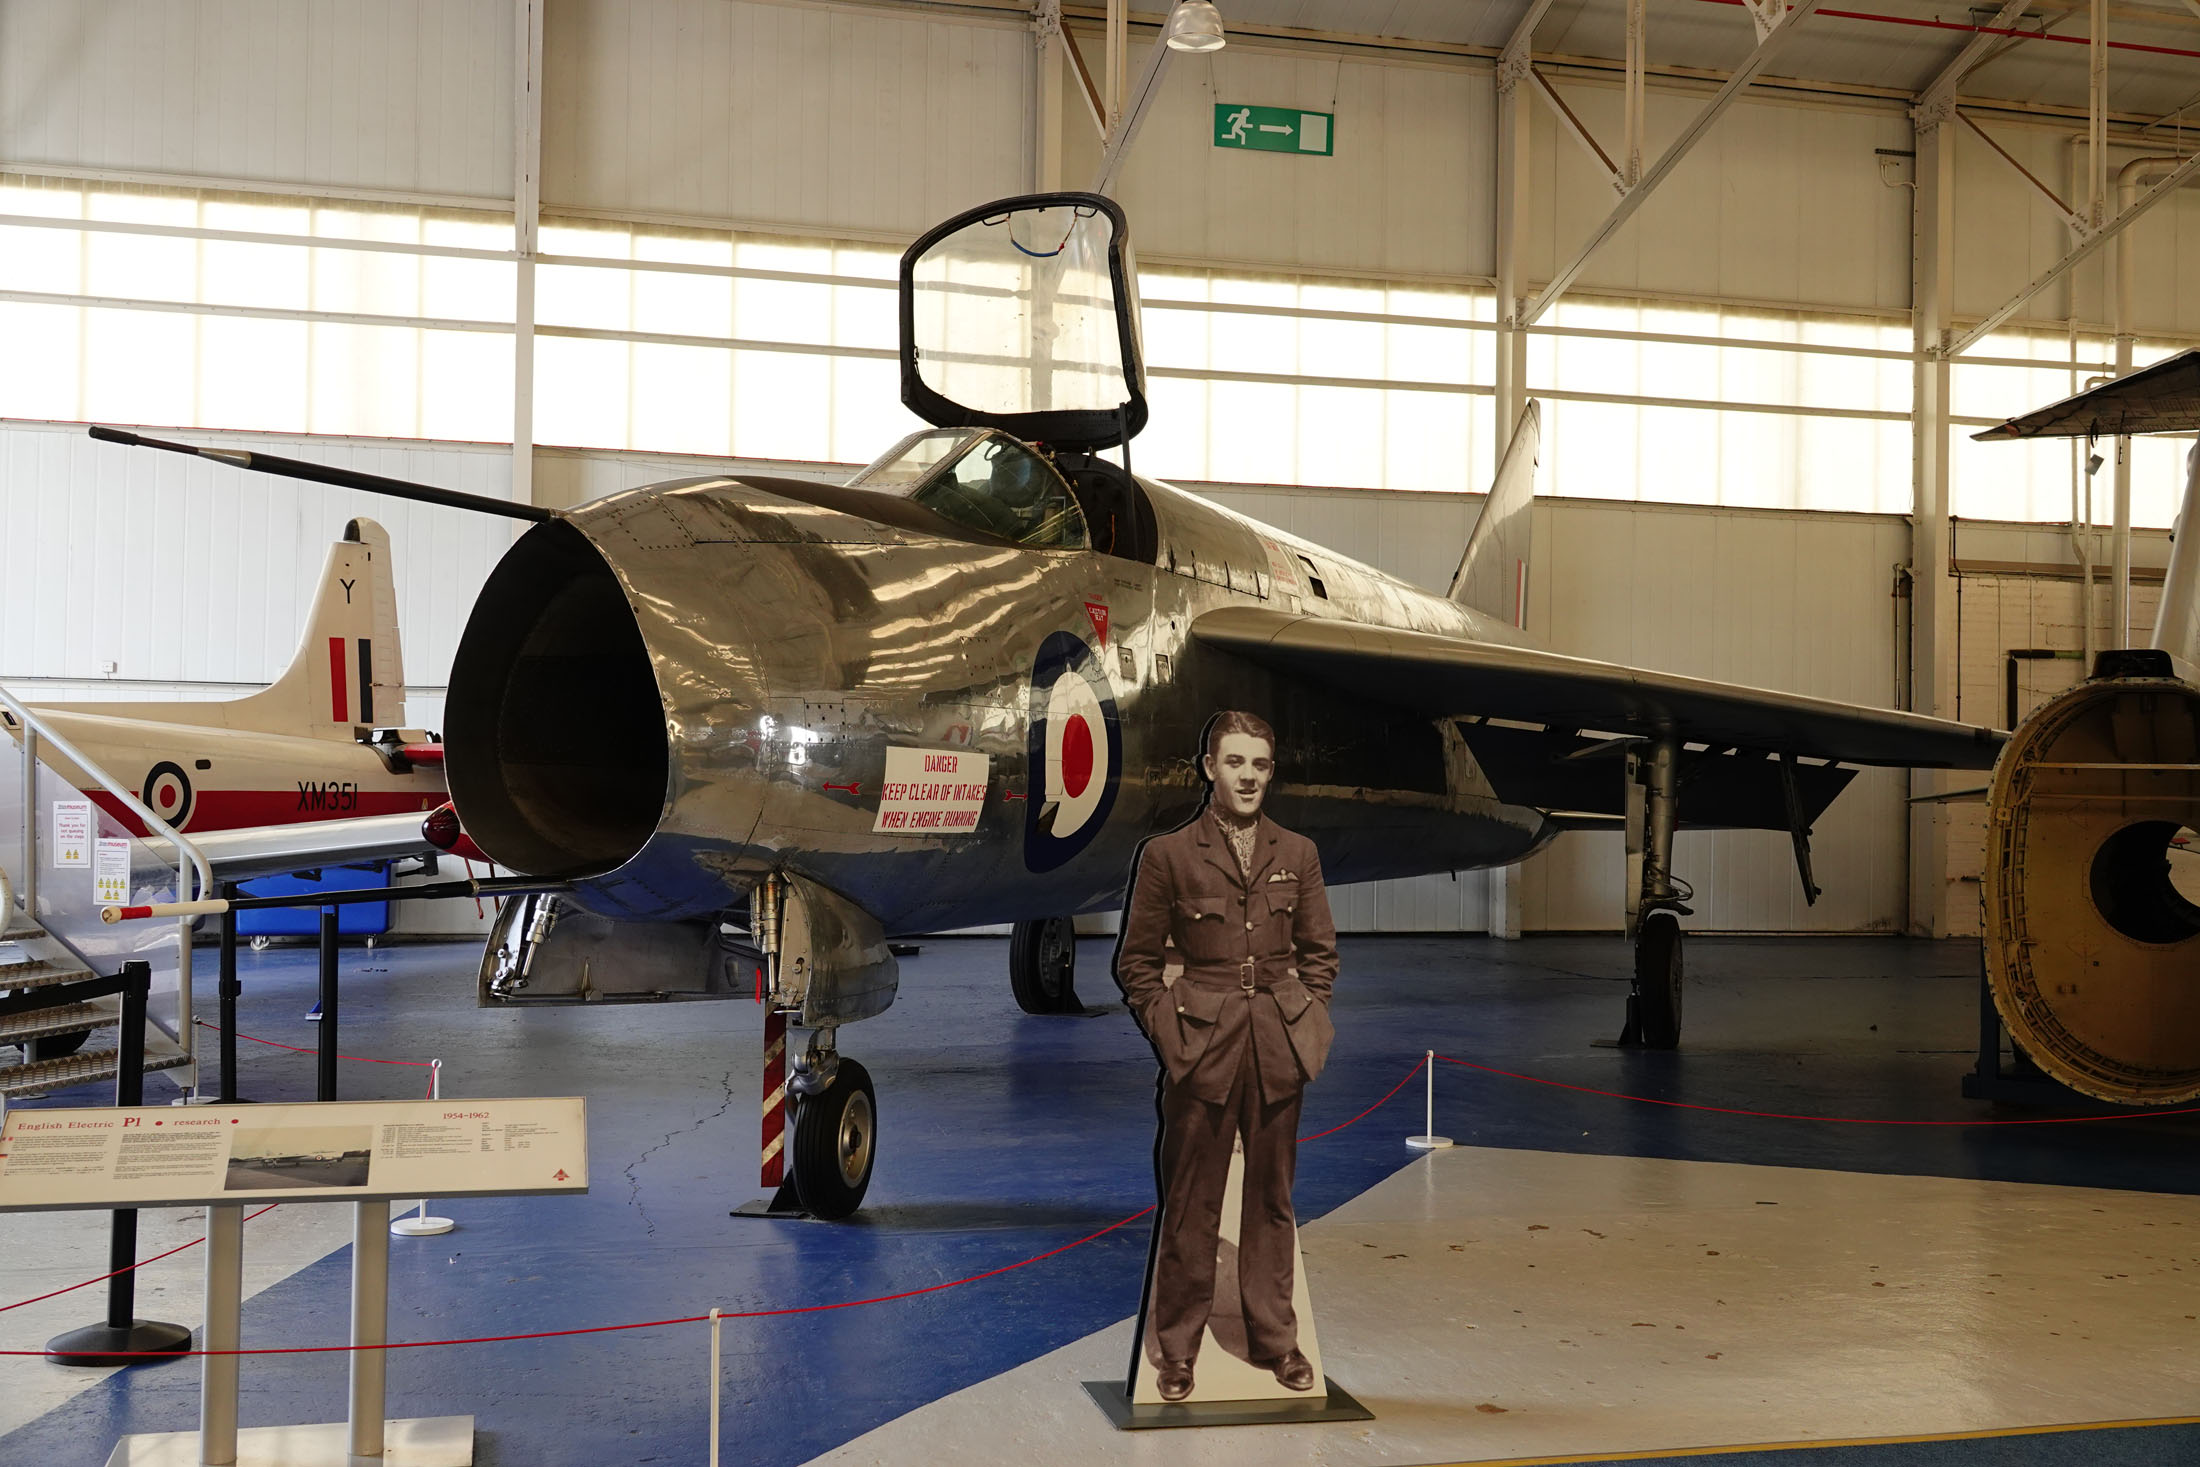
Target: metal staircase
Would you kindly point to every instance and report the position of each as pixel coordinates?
(73, 1043)
(51, 933)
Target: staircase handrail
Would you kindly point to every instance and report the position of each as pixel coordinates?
(187, 855)
(185, 850)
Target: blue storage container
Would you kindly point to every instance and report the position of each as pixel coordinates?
(355, 919)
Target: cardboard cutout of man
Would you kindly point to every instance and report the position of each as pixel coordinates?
(1239, 1035)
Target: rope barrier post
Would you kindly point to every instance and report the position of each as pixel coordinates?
(370, 1325)
(324, 1087)
(1428, 1140)
(717, 1380)
(223, 1331)
(123, 1338)
(420, 1225)
(226, 991)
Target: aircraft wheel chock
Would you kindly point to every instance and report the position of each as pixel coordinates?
(1042, 966)
(1658, 980)
(835, 1143)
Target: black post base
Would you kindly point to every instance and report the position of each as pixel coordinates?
(103, 1344)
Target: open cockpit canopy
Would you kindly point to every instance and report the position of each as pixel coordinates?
(1023, 315)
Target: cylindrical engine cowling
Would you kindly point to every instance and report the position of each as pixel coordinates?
(2092, 953)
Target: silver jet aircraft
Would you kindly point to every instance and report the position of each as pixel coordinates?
(760, 725)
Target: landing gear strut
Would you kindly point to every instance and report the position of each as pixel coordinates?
(1042, 966)
(1655, 901)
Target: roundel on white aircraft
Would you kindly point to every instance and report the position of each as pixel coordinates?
(167, 793)
(1075, 750)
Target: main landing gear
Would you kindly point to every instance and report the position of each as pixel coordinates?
(835, 1131)
(1655, 901)
(1042, 966)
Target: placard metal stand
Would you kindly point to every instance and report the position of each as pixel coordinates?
(421, 1441)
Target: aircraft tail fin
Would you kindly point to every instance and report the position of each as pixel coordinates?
(348, 672)
(349, 669)
(2177, 623)
(1493, 573)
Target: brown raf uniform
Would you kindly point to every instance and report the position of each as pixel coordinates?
(1239, 1035)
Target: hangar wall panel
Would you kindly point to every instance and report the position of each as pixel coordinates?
(1792, 601)
(393, 95)
(2007, 233)
(1783, 600)
(1410, 190)
(1781, 201)
(185, 573)
(815, 117)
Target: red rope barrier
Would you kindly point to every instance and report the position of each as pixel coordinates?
(365, 1059)
(601, 1329)
(157, 1257)
(1378, 1105)
(1775, 1115)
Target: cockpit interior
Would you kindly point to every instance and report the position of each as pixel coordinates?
(985, 480)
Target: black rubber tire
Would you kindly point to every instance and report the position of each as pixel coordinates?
(836, 1143)
(56, 1046)
(1042, 966)
(1658, 980)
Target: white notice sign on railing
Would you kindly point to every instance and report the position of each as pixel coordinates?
(358, 1150)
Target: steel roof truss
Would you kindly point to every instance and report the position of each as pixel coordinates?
(1671, 158)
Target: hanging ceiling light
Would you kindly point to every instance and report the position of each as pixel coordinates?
(1195, 25)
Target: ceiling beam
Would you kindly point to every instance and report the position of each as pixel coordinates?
(1671, 157)
(1942, 88)
(2170, 183)
(1137, 100)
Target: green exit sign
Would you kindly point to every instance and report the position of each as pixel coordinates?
(1274, 129)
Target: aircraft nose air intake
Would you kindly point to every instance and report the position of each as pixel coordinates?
(555, 742)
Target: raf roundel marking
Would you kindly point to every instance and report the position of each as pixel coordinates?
(1075, 751)
(167, 793)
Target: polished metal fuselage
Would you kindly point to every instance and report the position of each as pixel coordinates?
(792, 643)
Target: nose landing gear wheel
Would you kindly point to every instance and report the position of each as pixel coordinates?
(835, 1142)
(1042, 966)
(1658, 981)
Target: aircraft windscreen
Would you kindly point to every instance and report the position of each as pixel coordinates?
(982, 480)
(1016, 313)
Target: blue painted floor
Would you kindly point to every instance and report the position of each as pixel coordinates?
(1004, 1135)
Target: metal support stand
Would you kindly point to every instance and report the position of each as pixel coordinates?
(2020, 1081)
(367, 1437)
(421, 1225)
(226, 992)
(124, 1339)
(224, 1331)
(324, 1086)
(1428, 1140)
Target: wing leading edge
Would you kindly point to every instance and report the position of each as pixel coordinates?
(1448, 677)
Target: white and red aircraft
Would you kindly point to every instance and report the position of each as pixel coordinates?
(325, 741)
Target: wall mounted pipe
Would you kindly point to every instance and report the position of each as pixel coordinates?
(2128, 179)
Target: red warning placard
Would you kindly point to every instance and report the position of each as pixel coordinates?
(932, 792)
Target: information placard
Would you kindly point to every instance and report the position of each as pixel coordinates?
(361, 1149)
(110, 871)
(932, 792)
(72, 833)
